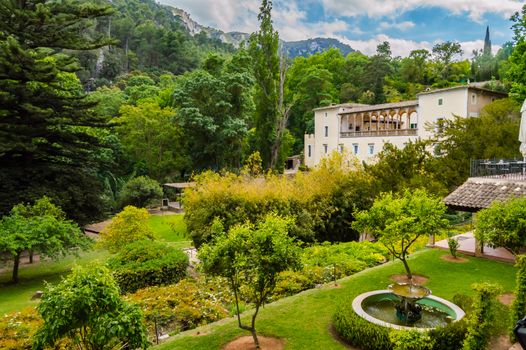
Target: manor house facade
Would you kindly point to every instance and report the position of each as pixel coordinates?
(364, 129)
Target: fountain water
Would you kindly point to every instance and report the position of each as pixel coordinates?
(406, 306)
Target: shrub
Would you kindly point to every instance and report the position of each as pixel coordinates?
(518, 307)
(450, 337)
(147, 263)
(481, 318)
(130, 225)
(86, 308)
(453, 246)
(411, 340)
(360, 332)
(321, 202)
(140, 192)
(16, 329)
(185, 305)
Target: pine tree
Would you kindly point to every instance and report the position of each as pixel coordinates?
(48, 129)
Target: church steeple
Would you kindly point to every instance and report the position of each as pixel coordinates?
(487, 43)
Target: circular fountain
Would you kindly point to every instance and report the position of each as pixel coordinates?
(406, 306)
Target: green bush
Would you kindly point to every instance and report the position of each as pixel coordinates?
(147, 263)
(185, 305)
(360, 332)
(411, 340)
(481, 318)
(518, 307)
(321, 202)
(327, 262)
(449, 337)
(140, 192)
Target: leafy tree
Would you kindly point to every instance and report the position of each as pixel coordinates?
(516, 72)
(377, 70)
(444, 53)
(503, 224)
(130, 225)
(86, 307)
(269, 70)
(407, 168)
(41, 228)
(140, 192)
(46, 118)
(214, 106)
(153, 138)
(252, 257)
(492, 135)
(398, 221)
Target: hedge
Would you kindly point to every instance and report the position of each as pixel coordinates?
(147, 263)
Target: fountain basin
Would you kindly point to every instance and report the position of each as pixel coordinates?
(379, 308)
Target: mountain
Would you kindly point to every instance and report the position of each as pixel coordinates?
(292, 48)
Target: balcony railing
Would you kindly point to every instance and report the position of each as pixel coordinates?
(512, 169)
(387, 132)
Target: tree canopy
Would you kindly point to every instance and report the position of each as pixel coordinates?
(398, 221)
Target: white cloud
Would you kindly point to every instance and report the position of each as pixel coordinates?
(399, 26)
(376, 8)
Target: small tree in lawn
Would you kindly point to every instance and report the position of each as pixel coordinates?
(503, 224)
(140, 192)
(86, 307)
(398, 221)
(41, 228)
(130, 225)
(252, 256)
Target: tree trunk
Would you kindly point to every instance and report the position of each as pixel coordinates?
(253, 330)
(407, 270)
(16, 263)
(31, 256)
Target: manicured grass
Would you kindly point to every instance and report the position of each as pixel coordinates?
(171, 228)
(33, 278)
(304, 320)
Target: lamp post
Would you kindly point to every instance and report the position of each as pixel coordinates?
(520, 332)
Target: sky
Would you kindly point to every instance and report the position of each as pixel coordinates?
(362, 24)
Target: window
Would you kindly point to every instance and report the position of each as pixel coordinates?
(413, 126)
(325, 114)
(340, 147)
(355, 148)
(440, 101)
(325, 148)
(473, 99)
(309, 151)
(370, 148)
(326, 131)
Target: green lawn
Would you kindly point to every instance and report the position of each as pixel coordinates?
(304, 320)
(169, 228)
(33, 277)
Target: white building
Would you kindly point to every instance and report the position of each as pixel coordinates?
(364, 129)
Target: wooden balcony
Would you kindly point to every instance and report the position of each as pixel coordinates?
(372, 133)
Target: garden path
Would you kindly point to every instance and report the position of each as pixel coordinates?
(467, 243)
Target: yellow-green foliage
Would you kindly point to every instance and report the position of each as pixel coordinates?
(518, 307)
(130, 225)
(321, 201)
(16, 329)
(185, 305)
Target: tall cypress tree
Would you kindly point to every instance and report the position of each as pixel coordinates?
(264, 49)
(48, 141)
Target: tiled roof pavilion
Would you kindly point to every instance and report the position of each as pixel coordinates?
(479, 192)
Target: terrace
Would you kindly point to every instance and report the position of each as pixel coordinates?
(506, 169)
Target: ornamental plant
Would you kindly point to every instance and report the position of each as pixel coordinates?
(130, 225)
(252, 256)
(398, 221)
(518, 307)
(453, 246)
(481, 317)
(86, 308)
